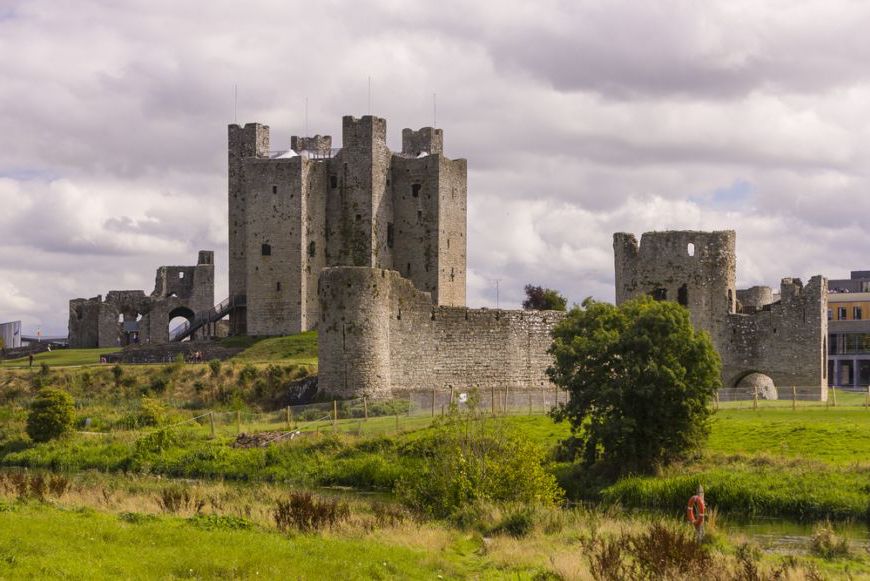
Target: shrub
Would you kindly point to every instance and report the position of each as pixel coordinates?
(158, 385)
(52, 415)
(117, 374)
(388, 514)
(826, 544)
(517, 523)
(175, 498)
(152, 412)
(467, 461)
(215, 366)
(305, 512)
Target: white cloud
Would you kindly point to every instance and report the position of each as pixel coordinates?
(578, 120)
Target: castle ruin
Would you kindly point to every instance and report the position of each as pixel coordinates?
(762, 338)
(130, 316)
(293, 213)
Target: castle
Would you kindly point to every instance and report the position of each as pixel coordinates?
(763, 339)
(128, 317)
(294, 213)
(368, 246)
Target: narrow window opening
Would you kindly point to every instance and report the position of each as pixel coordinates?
(390, 235)
(312, 249)
(180, 275)
(683, 296)
(278, 286)
(359, 218)
(266, 250)
(409, 269)
(274, 189)
(415, 190)
(419, 215)
(121, 318)
(333, 182)
(857, 313)
(660, 294)
(691, 249)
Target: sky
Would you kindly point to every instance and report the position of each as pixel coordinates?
(578, 119)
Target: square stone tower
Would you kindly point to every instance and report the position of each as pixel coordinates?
(293, 213)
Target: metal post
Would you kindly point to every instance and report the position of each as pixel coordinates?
(211, 418)
(794, 398)
(334, 414)
(755, 399)
(492, 404)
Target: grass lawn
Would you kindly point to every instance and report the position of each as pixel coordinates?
(39, 541)
(300, 349)
(61, 358)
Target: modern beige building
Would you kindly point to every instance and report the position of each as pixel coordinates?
(849, 331)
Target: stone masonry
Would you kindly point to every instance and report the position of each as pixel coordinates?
(294, 213)
(131, 316)
(379, 334)
(754, 331)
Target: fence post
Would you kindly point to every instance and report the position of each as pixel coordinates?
(334, 415)
(451, 395)
(492, 397)
(433, 402)
(794, 398)
(287, 417)
(211, 418)
(366, 409)
(755, 399)
(290, 415)
(410, 402)
(834, 391)
(530, 403)
(238, 421)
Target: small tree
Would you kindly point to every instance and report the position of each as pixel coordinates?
(51, 416)
(543, 299)
(640, 381)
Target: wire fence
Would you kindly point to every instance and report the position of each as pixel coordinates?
(419, 409)
(793, 397)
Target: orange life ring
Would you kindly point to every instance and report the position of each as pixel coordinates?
(696, 519)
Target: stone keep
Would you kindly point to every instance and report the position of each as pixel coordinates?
(294, 213)
(755, 332)
(179, 291)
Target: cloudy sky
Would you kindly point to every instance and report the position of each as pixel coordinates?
(578, 119)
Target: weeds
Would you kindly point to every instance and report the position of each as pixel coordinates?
(176, 498)
(305, 512)
(826, 544)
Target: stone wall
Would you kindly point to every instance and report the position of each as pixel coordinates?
(380, 335)
(784, 340)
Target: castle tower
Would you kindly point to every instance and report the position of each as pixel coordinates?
(250, 141)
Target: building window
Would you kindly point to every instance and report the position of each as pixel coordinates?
(312, 249)
(266, 250)
(660, 294)
(683, 296)
(274, 189)
(691, 249)
(841, 313)
(333, 182)
(419, 216)
(856, 313)
(415, 190)
(180, 275)
(278, 286)
(390, 235)
(830, 314)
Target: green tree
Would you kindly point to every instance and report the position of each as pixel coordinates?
(640, 380)
(51, 416)
(543, 299)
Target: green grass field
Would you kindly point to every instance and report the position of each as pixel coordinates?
(298, 349)
(39, 541)
(60, 358)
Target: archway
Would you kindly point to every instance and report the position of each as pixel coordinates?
(754, 383)
(179, 319)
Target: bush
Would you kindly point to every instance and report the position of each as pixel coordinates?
(305, 512)
(215, 366)
(52, 415)
(467, 461)
(826, 544)
(152, 412)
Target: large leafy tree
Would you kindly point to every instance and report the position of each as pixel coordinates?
(543, 299)
(640, 380)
